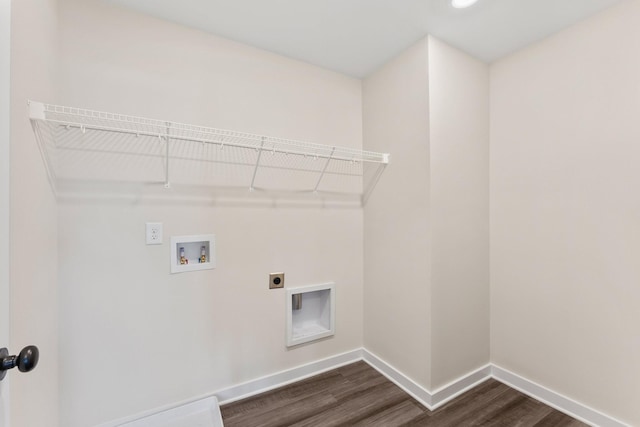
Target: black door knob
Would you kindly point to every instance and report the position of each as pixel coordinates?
(26, 360)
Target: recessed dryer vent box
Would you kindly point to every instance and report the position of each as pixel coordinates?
(192, 253)
(310, 313)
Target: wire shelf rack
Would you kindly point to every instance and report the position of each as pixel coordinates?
(82, 144)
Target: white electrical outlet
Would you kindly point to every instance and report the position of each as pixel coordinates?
(154, 233)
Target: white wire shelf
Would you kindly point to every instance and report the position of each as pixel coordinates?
(80, 144)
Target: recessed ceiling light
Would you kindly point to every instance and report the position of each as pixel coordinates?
(460, 4)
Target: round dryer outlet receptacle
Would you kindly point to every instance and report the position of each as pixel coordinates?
(276, 280)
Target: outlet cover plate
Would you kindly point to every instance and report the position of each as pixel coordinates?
(154, 233)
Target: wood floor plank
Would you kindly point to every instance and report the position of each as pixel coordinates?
(357, 407)
(355, 384)
(503, 412)
(558, 419)
(529, 413)
(315, 394)
(394, 416)
(534, 417)
(358, 395)
(286, 415)
(466, 407)
(286, 395)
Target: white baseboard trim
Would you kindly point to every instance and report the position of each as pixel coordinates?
(166, 413)
(414, 389)
(555, 400)
(251, 388)
(288, 376)
(461, 385)
(432, 400)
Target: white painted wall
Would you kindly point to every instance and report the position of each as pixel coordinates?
(397, 230)
(565, 240)
(426, 224)
(459, 179)
(148, 338)
(33, 259)
(5, 126)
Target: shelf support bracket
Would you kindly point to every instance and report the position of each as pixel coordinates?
(51, 176)
(368, 189)
(255, 169)
(324, 169)
(167, 183)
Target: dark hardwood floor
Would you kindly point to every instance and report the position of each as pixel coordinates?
(357, 395)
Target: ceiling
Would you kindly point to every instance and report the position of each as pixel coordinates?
(355, 37)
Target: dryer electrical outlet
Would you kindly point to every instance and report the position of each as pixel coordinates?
(276, 280)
